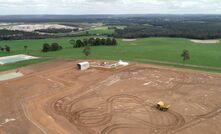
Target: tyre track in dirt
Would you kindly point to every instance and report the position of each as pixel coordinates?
(92, 117)
(85, 118)
(200, 118)
(113, 127)
(95, 117)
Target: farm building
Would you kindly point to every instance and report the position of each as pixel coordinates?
(83, 65)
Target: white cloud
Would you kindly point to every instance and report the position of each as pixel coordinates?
(109, 6)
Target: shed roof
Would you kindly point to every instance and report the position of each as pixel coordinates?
(83, 63)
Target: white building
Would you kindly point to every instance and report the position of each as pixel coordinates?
(122, 63)
(83, 65)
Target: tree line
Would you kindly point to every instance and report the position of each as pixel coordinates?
(17, 35)
(172, 29)
(93, 42)
(53, 47)
(20, 35)
(54, 30)
(6, 48)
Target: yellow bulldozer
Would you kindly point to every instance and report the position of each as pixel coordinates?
(162, 106)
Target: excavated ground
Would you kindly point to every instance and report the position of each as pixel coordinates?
(55, 98)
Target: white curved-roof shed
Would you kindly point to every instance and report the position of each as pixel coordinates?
(83, 65)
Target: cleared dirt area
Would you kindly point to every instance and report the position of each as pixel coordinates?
(129, 40)
(33, 27)
(205, 41)
(55, 98)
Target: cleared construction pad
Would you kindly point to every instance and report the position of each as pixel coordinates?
(56, 98)
(10, 76)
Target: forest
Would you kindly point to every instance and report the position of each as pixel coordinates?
(17, 35)
(172, 29)
(136, 26)
(53, 30)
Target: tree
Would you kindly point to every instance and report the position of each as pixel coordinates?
(72, 42)
(97, 42)
(55, 47)
(103, 41)
(91, 41)
(2, 49)
(108, 41)
(87, 50)
(85, 42)
(79, 44)
(7, 48)
(25, 47)
(46, 47)
(114, 42)
(185, 55)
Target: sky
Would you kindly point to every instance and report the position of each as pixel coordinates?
(78, 7)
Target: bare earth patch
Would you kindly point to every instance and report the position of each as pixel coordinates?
(33, 27)
(55, 98)
(129, 40)
(206, 41)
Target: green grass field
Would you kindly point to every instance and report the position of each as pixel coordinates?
(101, 30)
(147, 50)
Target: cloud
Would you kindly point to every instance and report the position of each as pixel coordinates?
(109, 6)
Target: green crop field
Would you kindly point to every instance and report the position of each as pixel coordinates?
(165, 51)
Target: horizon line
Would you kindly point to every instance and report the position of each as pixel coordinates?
(112, 14)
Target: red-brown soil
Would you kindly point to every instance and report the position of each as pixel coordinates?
(55, 98)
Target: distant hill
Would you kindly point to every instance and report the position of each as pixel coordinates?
(107, 18)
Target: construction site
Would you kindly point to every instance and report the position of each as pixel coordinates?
(110, 98)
